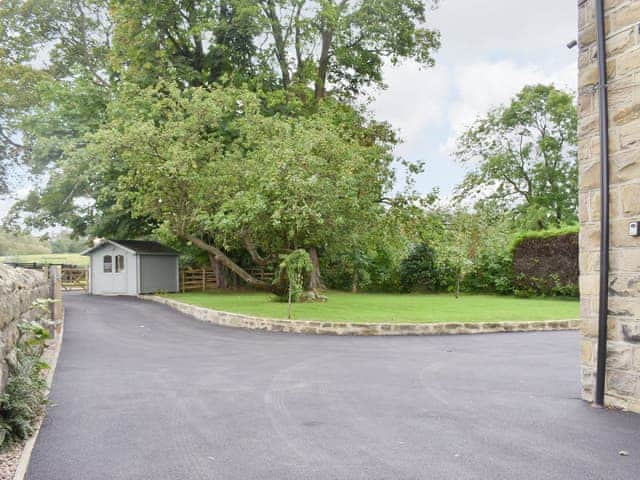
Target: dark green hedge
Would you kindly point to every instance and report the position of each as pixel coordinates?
(546, 262)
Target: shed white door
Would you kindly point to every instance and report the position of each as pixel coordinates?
(110, 275)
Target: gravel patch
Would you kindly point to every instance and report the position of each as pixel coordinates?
(9, 459)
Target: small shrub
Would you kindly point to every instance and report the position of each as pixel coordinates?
(420, 271)
(294, 267)
(24, 398)
(491, 272)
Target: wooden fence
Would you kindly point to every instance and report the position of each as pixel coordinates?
(75, 278)
(72, 277)
(203, 279)
(54, 276)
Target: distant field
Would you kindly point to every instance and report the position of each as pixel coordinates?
(68, 258)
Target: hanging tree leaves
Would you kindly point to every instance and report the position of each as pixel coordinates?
(228, 123)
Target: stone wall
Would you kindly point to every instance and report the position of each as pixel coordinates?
(623, 65)
(311, 327)
(19, 288)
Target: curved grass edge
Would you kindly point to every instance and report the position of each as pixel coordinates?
(315, 327)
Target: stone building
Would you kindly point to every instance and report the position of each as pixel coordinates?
(622, 45)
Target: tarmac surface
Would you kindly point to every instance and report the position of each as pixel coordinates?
(144, 392)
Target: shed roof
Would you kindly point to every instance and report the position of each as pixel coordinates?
(142, 247)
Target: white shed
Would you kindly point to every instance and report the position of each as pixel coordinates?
(132, 267)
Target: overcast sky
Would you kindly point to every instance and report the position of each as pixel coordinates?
(490, 50)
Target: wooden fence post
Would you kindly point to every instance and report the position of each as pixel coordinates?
(55, 295)
(204, 279)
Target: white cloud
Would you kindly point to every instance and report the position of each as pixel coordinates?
(482, 86)
(472, 28)
(415, 97)
(490, 50)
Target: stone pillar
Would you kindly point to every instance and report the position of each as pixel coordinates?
(622, 24)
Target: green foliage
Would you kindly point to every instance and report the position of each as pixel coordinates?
(50, 101)
(64, 63)
(372, 268)
(523, 158)
(196, 42)
(383, 271)
(492, 271)
(17, 243)
(295, 266)
(369, 259)
(33, 334)
(280, 183)
(420, 270)
(458, 248)
(542, 234)
(65, 243)
(24, 398)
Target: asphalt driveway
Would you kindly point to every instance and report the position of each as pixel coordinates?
(144, 392)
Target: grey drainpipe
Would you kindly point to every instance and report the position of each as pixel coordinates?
(603, 295)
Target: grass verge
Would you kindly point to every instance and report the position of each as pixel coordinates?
(392, 308)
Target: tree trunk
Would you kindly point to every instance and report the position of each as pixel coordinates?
(279, 42)
(226, 261)
(458, 284)
(315, 282)
(323, 64)
(253, 251)
(356, 281)
(218, 268)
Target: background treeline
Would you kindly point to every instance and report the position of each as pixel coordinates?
(14, 243)
(493, 259)
(237, 131)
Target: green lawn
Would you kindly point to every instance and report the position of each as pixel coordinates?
(68, 258)
(374, 307)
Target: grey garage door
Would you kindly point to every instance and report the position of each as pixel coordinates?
(158, 273)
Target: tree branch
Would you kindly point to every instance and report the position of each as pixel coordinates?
(226, 261)
(253, 251)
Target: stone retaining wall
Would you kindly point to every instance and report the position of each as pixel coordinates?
(343, 328)
(19, 288)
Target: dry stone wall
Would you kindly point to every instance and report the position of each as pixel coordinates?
(19, 288)
(622, 24)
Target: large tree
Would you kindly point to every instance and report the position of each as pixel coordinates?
(304, 60)
(336, 45)
(195, 42)
(523, 156)
(212, 169)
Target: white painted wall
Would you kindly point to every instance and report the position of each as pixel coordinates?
(123, 282)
